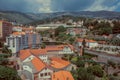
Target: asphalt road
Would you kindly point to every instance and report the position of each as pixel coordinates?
(104, 55)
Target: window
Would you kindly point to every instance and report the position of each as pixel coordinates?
(45, 74)
(49, 73)
(41, 74)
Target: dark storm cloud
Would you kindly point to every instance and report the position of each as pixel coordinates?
(59, 5)
(71, 5)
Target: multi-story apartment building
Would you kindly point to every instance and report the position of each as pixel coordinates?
(5, 29)
(21, 40)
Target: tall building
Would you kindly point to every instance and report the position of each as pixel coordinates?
(5, 29)
(21, 40)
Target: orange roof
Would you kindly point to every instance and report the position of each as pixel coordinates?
(58, 62)
(18, 33)
(80, 40)
(53, 48)
(24, 28)
(58, 47)
(24, 54)
(71, 46)
(62, 75)
(38, 64)
(38, 51)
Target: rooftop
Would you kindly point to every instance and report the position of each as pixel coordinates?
(24, 54)
(59, 63)
(38, 64)
(80, 40)
(62, 75)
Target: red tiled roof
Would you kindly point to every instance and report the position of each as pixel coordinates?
(58, 62)
(38, 64)
(38, 51)
(62, 75)
(80, 40)
(18, 33)
(58, 47)
(24, 54)
(53, 48)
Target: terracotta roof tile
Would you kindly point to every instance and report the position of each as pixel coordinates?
(38, 64)
(80, 40)
(62, 75)
(24, 54)
(53, 48)
(58, 63)
(18, 33)
(38, 51)
(58, 47)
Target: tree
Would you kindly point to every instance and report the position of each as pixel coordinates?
(7, 73)
(111, 77)
(113, 64)
(71, 40)
(84, 75)
(59, 30)
(3, 59)
(6, 50)
(43, 45)
(96, 70)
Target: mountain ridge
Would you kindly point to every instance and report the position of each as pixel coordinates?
(25, 18)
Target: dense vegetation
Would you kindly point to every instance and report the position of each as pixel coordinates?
(7, 73)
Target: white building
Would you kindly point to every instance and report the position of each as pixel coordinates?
(89, 43)
(37, 69)
(60, 49)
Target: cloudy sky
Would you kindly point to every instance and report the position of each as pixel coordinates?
(43, 6)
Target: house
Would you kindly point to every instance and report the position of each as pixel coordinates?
(89, 43)
(41, 53)
(33, 64)
(37, 65)
(62, 75)
(76, 31)
(28, 54)
(38, 69)
(59, 50)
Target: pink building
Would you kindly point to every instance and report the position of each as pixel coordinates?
(5, 29)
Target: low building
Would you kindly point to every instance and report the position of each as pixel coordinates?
(38, 69)
(60, 49)
(89, 43)
(37, 65)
